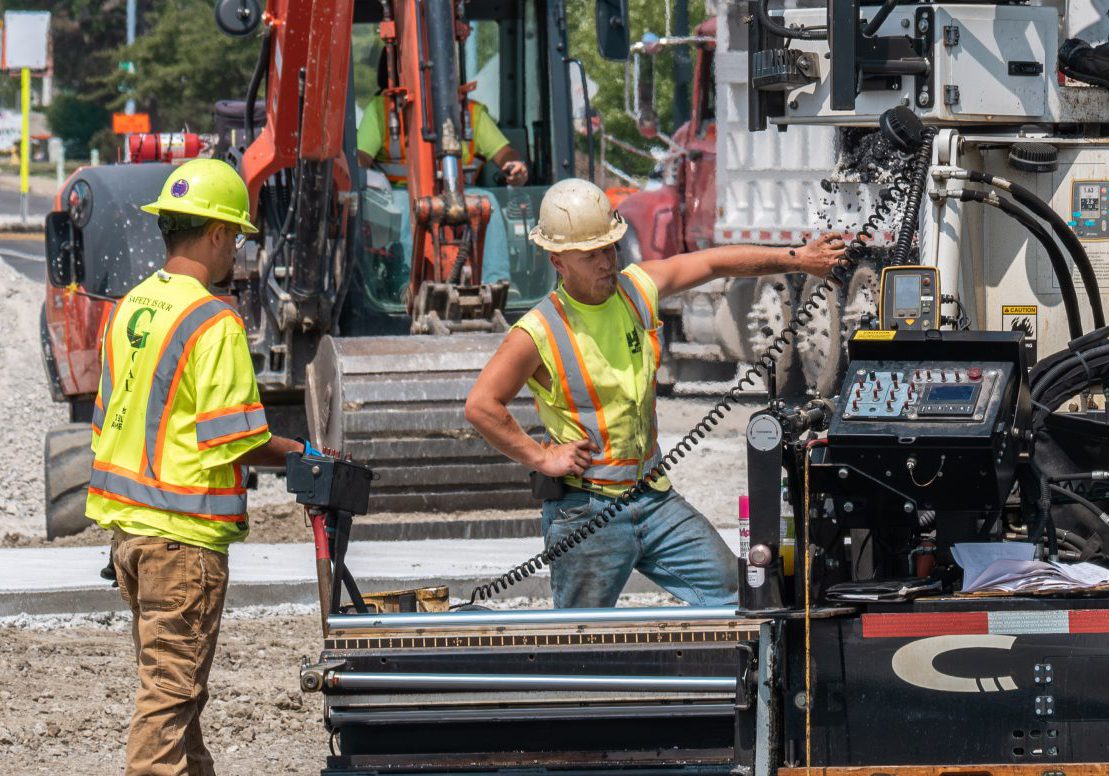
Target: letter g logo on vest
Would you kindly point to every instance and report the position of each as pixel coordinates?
(136, 337)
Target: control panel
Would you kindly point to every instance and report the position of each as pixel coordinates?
(1089, 217)
(909, 298)
(941, 391)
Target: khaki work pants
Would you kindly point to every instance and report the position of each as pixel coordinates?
(176, 593)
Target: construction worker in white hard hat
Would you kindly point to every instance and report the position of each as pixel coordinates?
(176, 421)
(589, 353)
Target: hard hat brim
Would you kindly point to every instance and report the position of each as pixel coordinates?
(156, 208)
(617, 230)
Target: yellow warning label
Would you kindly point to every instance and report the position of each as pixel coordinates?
(910, 321)
(874, 334)
(1019, 309)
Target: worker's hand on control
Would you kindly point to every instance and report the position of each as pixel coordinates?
(570, 458)
(818, 257)
(515, 173)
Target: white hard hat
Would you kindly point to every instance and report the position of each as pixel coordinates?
(576, 215)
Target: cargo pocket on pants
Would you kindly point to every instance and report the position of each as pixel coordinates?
(177, 629)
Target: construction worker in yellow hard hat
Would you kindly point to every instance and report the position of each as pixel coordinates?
(177, 420)
(589, 352)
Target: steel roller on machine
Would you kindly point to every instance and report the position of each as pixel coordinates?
(399, 402)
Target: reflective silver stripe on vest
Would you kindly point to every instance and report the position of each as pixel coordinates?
(231, 423)
(97, 417)
(575, 379)
(641, 306)
(157, 403)
(151, 496)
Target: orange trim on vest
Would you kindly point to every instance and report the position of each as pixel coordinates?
(602, 426)
(160, 442)
(201, 417)
(133, 503)
(184, 490)
(232, 437)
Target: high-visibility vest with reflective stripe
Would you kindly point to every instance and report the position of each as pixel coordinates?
(392, 158)
(603, 361)
(152, 429)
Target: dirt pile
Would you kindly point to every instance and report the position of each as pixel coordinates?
(25, 405)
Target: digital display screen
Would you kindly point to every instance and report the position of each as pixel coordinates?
(906, 293)
(954, 394)
(1088, 200)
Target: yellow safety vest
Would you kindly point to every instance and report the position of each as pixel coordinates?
(603, 360)
(178, 403)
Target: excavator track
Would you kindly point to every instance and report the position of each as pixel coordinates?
(397, 404)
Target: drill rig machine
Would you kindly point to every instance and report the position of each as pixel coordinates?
(375, 322)
(953, 431)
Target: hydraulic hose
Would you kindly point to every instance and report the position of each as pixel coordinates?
(1058, 225)
(260, 70)
(883, 13)
(1083, 365)
(1058, 263)
(1098, 522)
(782, 31)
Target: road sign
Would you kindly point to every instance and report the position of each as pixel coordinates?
(130, 123)
(26, 35)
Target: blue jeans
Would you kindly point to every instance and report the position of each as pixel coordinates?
(659, 534)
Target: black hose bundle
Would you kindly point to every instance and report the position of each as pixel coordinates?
(1058, 263)
(763, 366)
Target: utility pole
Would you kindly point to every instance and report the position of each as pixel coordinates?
(129, 108)
(683, 69)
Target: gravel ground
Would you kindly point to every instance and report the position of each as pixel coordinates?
(25, 404)
(70, 684)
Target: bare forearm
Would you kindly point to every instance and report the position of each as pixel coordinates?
(272, 453)
(496, 424)
(748, 260)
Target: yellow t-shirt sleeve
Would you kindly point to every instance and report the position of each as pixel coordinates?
(230, 419)
(370, 131)
(643, 281)
(488, 138)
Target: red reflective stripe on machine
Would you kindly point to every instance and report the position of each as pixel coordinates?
(1012, 623)
(878, 626)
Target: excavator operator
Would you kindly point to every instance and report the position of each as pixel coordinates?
(589, 353)
(176, 422)
(488, 143)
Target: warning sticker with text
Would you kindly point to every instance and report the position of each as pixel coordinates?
(1021, 317)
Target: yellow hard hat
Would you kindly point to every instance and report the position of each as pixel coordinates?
(206, 187)
(576, 215)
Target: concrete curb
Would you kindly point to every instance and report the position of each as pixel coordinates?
(487, 527)
(64, 580)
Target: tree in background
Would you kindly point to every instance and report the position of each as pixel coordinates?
(644, 16)
(183, 65)
(76, 121)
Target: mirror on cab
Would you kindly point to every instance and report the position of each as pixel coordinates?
(63, 251)
(238, 17)
(612, 29)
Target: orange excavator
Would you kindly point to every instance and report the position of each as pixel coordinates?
(369, 307)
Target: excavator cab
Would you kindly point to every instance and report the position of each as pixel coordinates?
(503, 72)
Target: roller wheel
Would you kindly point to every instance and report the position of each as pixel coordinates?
(67, 463)
(821, 344)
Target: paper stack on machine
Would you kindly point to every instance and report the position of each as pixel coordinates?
(1008, 569)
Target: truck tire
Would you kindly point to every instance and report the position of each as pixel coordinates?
(821, 344)
(67, 463)
(771, 309)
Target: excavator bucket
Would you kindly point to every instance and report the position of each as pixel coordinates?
(396, 403)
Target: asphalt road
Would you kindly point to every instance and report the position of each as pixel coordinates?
(37, 205)
(25, 253)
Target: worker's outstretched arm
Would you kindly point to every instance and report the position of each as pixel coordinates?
(272, 453)
(487, 409)
(689, 270)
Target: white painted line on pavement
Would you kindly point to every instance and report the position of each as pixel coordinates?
(23, 256)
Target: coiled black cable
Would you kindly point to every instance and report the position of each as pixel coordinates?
(888, 199)
(918, 179)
